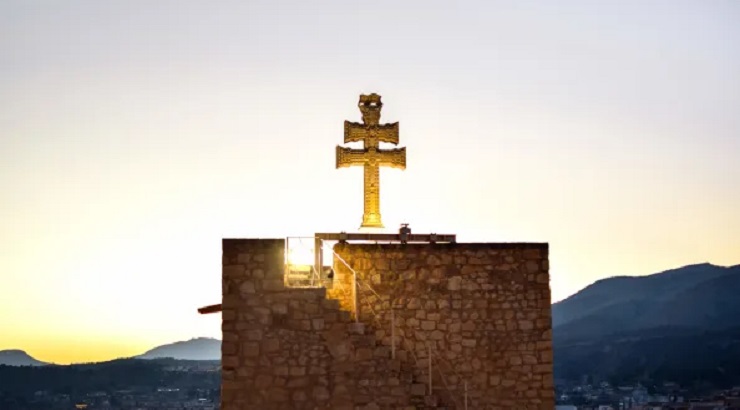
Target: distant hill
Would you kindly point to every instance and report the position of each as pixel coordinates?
(680, 325)
(695, 296)
(18, 358)
(202, 348)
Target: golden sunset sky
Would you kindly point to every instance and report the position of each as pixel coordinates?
(134, 135)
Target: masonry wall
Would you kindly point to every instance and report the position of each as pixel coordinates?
(484, 309)
(296, 349)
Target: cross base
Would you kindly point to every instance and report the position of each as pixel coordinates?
(371, 221)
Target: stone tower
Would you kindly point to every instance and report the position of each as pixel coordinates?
(400, 321)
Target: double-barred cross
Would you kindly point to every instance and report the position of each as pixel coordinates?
(371, 133)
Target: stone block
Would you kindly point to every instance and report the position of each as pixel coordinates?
(437, 335)
(229, 361)
(263, 381)
(271, 345)
(317, 324)
(356, 328)
(250, 349)
(531, 254)
(228, 315)
(320, 393)
(418, 389)
(526, 325)
(363, 354)
(279, 308)
(298, 371)
(254, 334)
(469, 342)
(273, 285)
(382, 351)
(428, 325)
(233, 271)
(299, 396)
(297, 382)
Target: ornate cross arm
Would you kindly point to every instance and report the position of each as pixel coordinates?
(347, 157)
(355, 131)
(394, 158)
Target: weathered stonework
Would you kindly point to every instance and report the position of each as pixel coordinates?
(482, 309)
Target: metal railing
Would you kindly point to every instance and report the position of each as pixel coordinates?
(358, 285)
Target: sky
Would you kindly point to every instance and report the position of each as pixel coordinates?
(134, 135)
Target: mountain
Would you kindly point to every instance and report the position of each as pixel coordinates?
(695, 296)
(202, 348)
(681, 325)
(18, 358)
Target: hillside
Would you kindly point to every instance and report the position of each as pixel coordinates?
(201, 348)
(18, 358)
(680, 325)
(699, 296)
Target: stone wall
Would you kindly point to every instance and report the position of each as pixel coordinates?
(289, 348)
(484, 309)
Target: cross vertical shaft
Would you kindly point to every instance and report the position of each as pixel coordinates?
(371, 217)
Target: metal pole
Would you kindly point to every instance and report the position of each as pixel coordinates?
(354, 295)
(393, 333)
(429, 346)
(287, 250)
(286, 268)
(317, 257)
(466, 395)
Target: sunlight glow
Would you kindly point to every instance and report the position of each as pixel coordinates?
(300, 251)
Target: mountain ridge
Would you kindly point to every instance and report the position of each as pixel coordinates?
(195, 349)
(198, 348)
(681, 325)
(18, 357)
(610, 293)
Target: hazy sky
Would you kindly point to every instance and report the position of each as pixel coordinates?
(134, 135)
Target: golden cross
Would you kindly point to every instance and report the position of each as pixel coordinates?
(371, 133)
